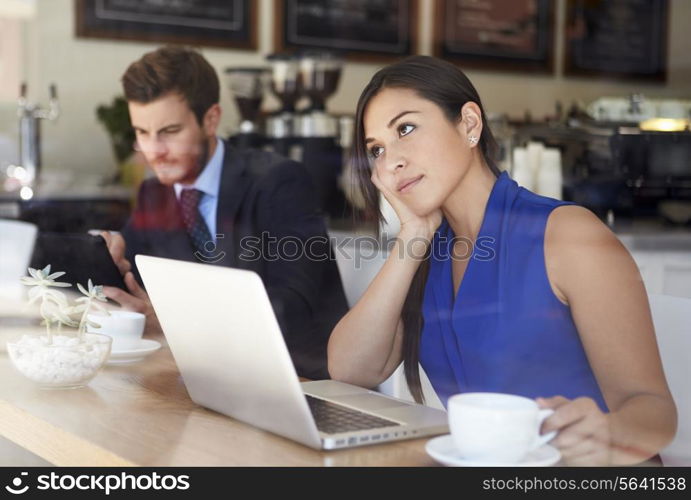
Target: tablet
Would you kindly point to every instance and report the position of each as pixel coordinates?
(81, 256)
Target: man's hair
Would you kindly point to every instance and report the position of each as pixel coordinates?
(173, 69)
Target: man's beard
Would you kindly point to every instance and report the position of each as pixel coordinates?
(185, 172)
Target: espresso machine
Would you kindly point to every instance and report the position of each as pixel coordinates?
(318, 131)
(281, 130)
(30, 116)
(309, 135)
(247, 87)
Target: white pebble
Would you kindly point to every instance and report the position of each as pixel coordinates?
(65, 362)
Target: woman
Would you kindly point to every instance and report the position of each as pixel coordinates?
(547, 303)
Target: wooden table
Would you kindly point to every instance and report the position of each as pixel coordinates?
(141, 414)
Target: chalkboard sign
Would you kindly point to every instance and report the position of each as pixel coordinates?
(223, 23)
(619, 39)
(361, 29)
(495, 34)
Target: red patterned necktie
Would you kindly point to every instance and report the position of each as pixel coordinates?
(194, 222)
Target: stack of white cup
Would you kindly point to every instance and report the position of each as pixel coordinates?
(535, 150)
(549, 178)
(526, 165)
(521, 171)
(538, 169)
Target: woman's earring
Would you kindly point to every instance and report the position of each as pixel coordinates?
(472, 140)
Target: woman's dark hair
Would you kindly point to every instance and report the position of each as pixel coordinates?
(447, 86)
(173, 69)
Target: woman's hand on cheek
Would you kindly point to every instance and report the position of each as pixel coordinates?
(583, 430)
(411, 223)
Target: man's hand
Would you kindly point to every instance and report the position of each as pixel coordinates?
(136, 300)
(116, 247)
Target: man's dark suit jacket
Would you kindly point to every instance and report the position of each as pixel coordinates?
(260, 194)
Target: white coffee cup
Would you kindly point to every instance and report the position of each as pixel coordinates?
(126, 328)
(496, 428)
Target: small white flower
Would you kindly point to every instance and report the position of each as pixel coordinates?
(92, 296)
(42, 277)
(54, 307)
(40, 282)
(94, 292)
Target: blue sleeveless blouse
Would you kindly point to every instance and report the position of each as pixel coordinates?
(505, 331)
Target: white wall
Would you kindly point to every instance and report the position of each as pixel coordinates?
(87, 73)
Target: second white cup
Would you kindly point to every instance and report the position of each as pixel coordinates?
(125, 327)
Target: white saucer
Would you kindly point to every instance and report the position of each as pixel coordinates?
(124, 356)
(443, 450)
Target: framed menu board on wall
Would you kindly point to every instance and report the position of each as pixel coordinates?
(221, 23)
(513, 35)
(620, 39)
(361, 29)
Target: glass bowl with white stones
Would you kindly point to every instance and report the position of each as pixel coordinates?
(63, 363)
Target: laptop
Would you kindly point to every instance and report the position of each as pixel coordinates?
(228, 346)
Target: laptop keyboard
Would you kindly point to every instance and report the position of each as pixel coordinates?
(333, 418)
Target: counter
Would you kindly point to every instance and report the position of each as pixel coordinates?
(70, 210)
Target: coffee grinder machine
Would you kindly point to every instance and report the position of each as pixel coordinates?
(247, 86)
(281, 124)
(318, 131)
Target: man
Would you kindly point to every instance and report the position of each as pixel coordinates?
(214, 204)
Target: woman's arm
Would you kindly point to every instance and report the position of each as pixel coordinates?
(592, 272)
(365, 346)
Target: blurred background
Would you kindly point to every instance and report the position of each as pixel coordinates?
(590, 100)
